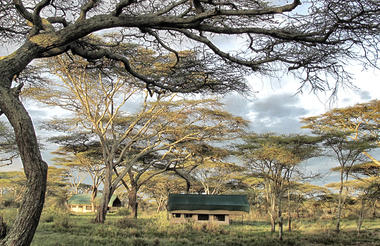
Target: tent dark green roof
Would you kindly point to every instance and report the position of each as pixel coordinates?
(208, 202)
(85, 199)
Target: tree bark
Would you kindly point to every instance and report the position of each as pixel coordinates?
(272, 213)
(132, 200)
(272, 223)
(107, 193)
(94, 192)
(340, 206)
(35, 168)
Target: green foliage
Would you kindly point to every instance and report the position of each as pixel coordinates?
(9, 202)
(126, 223)
(9, 215)
(62, 220)
(123, 212)
(59, 217)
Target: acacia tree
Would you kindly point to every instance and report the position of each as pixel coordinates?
(316, 39)
(159, 187)
(57, 186)
(274, 161)
(363, 191)
(141, 174)
(349, 133)
(185, 127)
(347, 153)
(364, 187)
(80, 155)
(12, 183)
(368, 175)
(361, 121)
(214, 175)
(125, 138)
(303, 198)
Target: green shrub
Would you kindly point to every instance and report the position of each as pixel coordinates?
(62, 220)
(60, 217)
(126, 223)
(139, 242)
(123, 212)
(9, 215)
(48, 216)
(160, 222)
(9, 202)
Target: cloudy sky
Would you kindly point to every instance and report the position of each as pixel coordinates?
(274, 107)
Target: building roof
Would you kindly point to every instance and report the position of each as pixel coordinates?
(208, 202)
(85, 199)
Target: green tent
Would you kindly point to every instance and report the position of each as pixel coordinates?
(208, 202)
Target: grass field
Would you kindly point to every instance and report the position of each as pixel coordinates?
(57, 228)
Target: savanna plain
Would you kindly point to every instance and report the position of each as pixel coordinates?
(58, 227)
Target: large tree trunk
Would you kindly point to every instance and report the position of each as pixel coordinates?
(272, 212)
(94, 192)
(35, 168)
(107, 193)
(272, 223)
(132, 200)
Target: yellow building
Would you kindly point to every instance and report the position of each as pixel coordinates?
(81, 203)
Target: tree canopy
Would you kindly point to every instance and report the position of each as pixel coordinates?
(359, 123)
(311, 36)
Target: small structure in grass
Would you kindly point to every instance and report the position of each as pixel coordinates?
(82, 203)
(206, 208)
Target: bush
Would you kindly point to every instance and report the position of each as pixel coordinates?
(62, 220)
(159, 223)
(9, 215)
(123, 212)
(48, 216)
(126, 223)
(140, 242)
(209, 228)
(9, 203)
